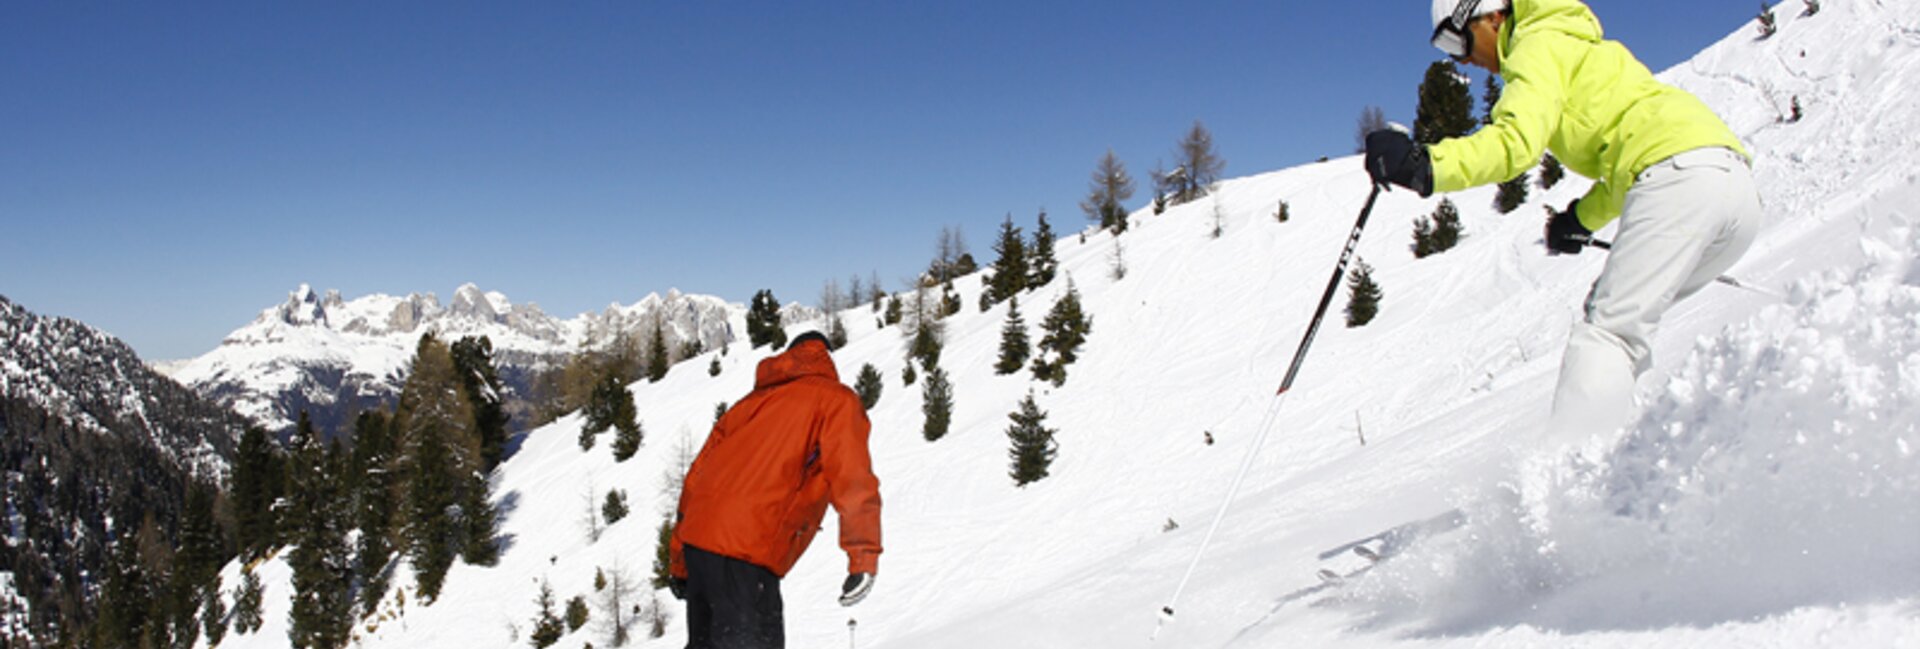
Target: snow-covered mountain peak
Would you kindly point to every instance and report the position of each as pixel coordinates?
(302, 307)
(332, 354)
(473, 304)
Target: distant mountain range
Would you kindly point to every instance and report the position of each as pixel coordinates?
(333, 357)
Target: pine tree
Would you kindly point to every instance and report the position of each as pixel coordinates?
(868, 386)
(1033, 443)
(213, 617)
(1437, 233)
(547, 626)
(924, 331)
(1282, 214)
(1423, 237)
(657, 360)
(478, 522)
(763, 321)
(615, 507)
(1767, 25)
(713, 368)
(196, 567)
(246, 603)
(589, 437)
(126, 596)
(1512, 194)
(256, 486)
(892, 315)
(1492, 98)
(1813, 7)
(431, 532)
(443, 477)
(611, 406)
(936, 404)
(627, 441)
(1066, 327)
(663, 553)
(1199, 165)
(576, 613)
(949, 300)
(373, 456)
(1041, 263)
(1014, 349)
(1446, 105)
(1551, 171)
(1108, 191)
(480, 382)
(322, 614)
(1010, 269)
(832, 302)
(1363, 297)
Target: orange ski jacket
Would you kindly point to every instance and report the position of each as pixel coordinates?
(760, 486)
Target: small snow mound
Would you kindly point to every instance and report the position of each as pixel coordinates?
(1776, 470)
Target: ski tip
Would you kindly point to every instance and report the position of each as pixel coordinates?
(1329, 576)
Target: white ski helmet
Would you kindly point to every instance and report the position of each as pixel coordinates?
(1450, 18)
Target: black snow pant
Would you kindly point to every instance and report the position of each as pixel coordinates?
(732, 604)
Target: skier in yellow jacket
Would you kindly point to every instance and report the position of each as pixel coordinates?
(1664, 165)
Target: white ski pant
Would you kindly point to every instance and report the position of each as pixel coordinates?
(1686, 221)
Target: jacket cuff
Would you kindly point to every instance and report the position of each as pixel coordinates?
(867, 562)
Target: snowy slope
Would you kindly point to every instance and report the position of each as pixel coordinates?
(1766, 497)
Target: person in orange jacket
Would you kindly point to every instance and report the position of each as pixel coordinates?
(757, 492)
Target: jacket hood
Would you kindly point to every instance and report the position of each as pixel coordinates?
(1570, 17)
(808, 359)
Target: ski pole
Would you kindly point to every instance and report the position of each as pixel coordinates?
(850, 625)
(1723, 279)
(1279, 400)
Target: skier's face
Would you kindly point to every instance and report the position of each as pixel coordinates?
(1486, 41)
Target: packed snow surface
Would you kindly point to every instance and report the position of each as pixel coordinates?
(1765, 493)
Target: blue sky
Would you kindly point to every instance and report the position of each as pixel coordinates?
(167, 171)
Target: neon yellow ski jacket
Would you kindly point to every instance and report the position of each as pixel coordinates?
(1586, 99)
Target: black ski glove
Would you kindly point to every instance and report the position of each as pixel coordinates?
(678, 587)
(856, 588)
(1393, 157)
(1566, 235)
